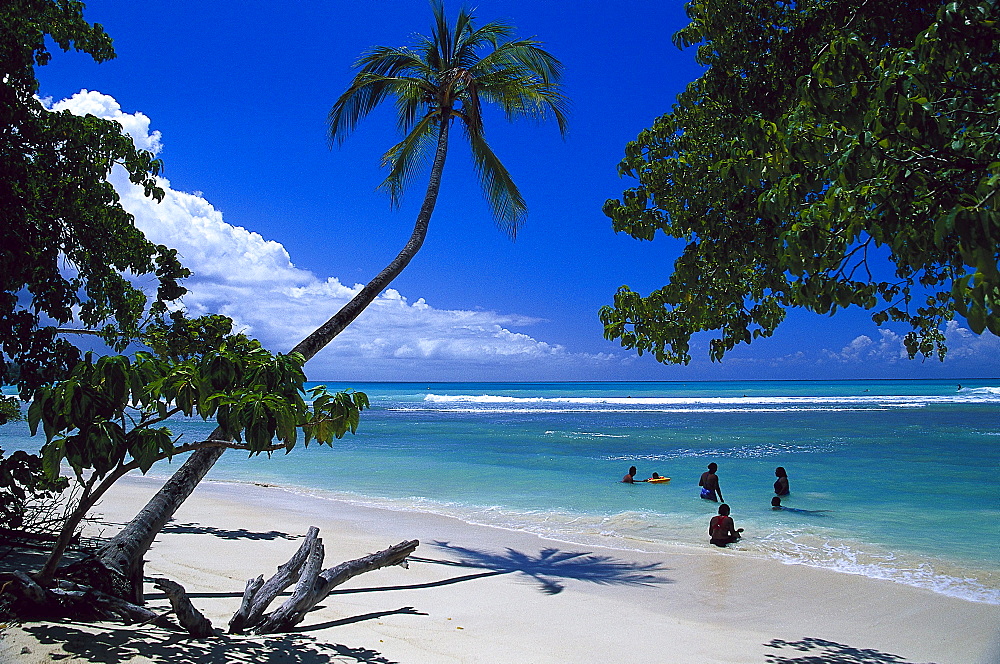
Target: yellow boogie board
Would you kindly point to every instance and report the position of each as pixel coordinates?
(658, 480)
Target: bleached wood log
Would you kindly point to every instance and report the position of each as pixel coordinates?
(190, 618)
(314, 586)
(259, 594)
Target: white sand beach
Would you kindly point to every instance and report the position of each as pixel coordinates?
(480, 594)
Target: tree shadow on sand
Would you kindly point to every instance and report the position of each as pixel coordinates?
(551, 565)
(221, 533)
(819, 651)
(121, 644)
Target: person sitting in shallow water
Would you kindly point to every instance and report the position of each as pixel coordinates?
(722, 529)
(630, 476)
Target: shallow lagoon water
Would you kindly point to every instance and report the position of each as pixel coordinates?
(906, 469)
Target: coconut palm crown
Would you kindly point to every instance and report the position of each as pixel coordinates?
(449, 75)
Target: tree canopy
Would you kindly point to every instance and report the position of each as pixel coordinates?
(823, 137)
(449, 75)
(66, 243)
(112, 414)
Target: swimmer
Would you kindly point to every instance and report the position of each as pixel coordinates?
(630, 477)
(781, 484)
(709, 484)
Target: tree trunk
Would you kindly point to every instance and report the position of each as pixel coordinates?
(68, 531)
(325, 333)
(124, 553)
(70, 600)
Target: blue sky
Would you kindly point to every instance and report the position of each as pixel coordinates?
(279, 228)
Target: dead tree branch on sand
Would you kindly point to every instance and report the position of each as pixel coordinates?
(304, 569)
(312, 584)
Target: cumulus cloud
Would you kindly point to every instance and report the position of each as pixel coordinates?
(963, 346)
(889, 348)
(253, 280)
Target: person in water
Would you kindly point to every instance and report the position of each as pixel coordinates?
(630, 477)
(654, 477)
(781, 484)
(776, 505)
(722, 529)
(709, 484)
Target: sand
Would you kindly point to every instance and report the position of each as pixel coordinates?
(481, 594)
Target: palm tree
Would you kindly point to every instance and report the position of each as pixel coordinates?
(444, 77)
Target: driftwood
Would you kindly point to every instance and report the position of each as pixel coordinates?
(259, 595)
(77, 598)
(189, 617)
(71, 600)
(312, 584)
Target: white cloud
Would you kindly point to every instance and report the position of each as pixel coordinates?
(103, 106)
(862, 349)
(253, 280)
(964, 346)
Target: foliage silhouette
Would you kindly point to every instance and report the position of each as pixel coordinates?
(552, 564)
(820, 651)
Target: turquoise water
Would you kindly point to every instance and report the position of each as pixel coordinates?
(907, 469)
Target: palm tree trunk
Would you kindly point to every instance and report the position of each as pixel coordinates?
(124, 552)
(325, 333)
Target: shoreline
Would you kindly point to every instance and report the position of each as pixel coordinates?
(476, 593)
(972, 581)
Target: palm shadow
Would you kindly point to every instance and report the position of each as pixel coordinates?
(404, 611)
(551, 565)
(162, 647)
(820, 651)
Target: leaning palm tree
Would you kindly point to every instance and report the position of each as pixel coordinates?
(443, 78)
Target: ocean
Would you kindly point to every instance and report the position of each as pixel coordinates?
(893, 480)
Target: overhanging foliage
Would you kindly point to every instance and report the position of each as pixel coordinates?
(65, 240)
(821, 133)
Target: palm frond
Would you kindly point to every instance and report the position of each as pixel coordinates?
(503, 196)
(487, 36)
(407, 157)
(460, 35)
(389, 61)
(523, 53)
(520, 95)
(442, 37)
(365, 93)
(379, 77)
(456, 69)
